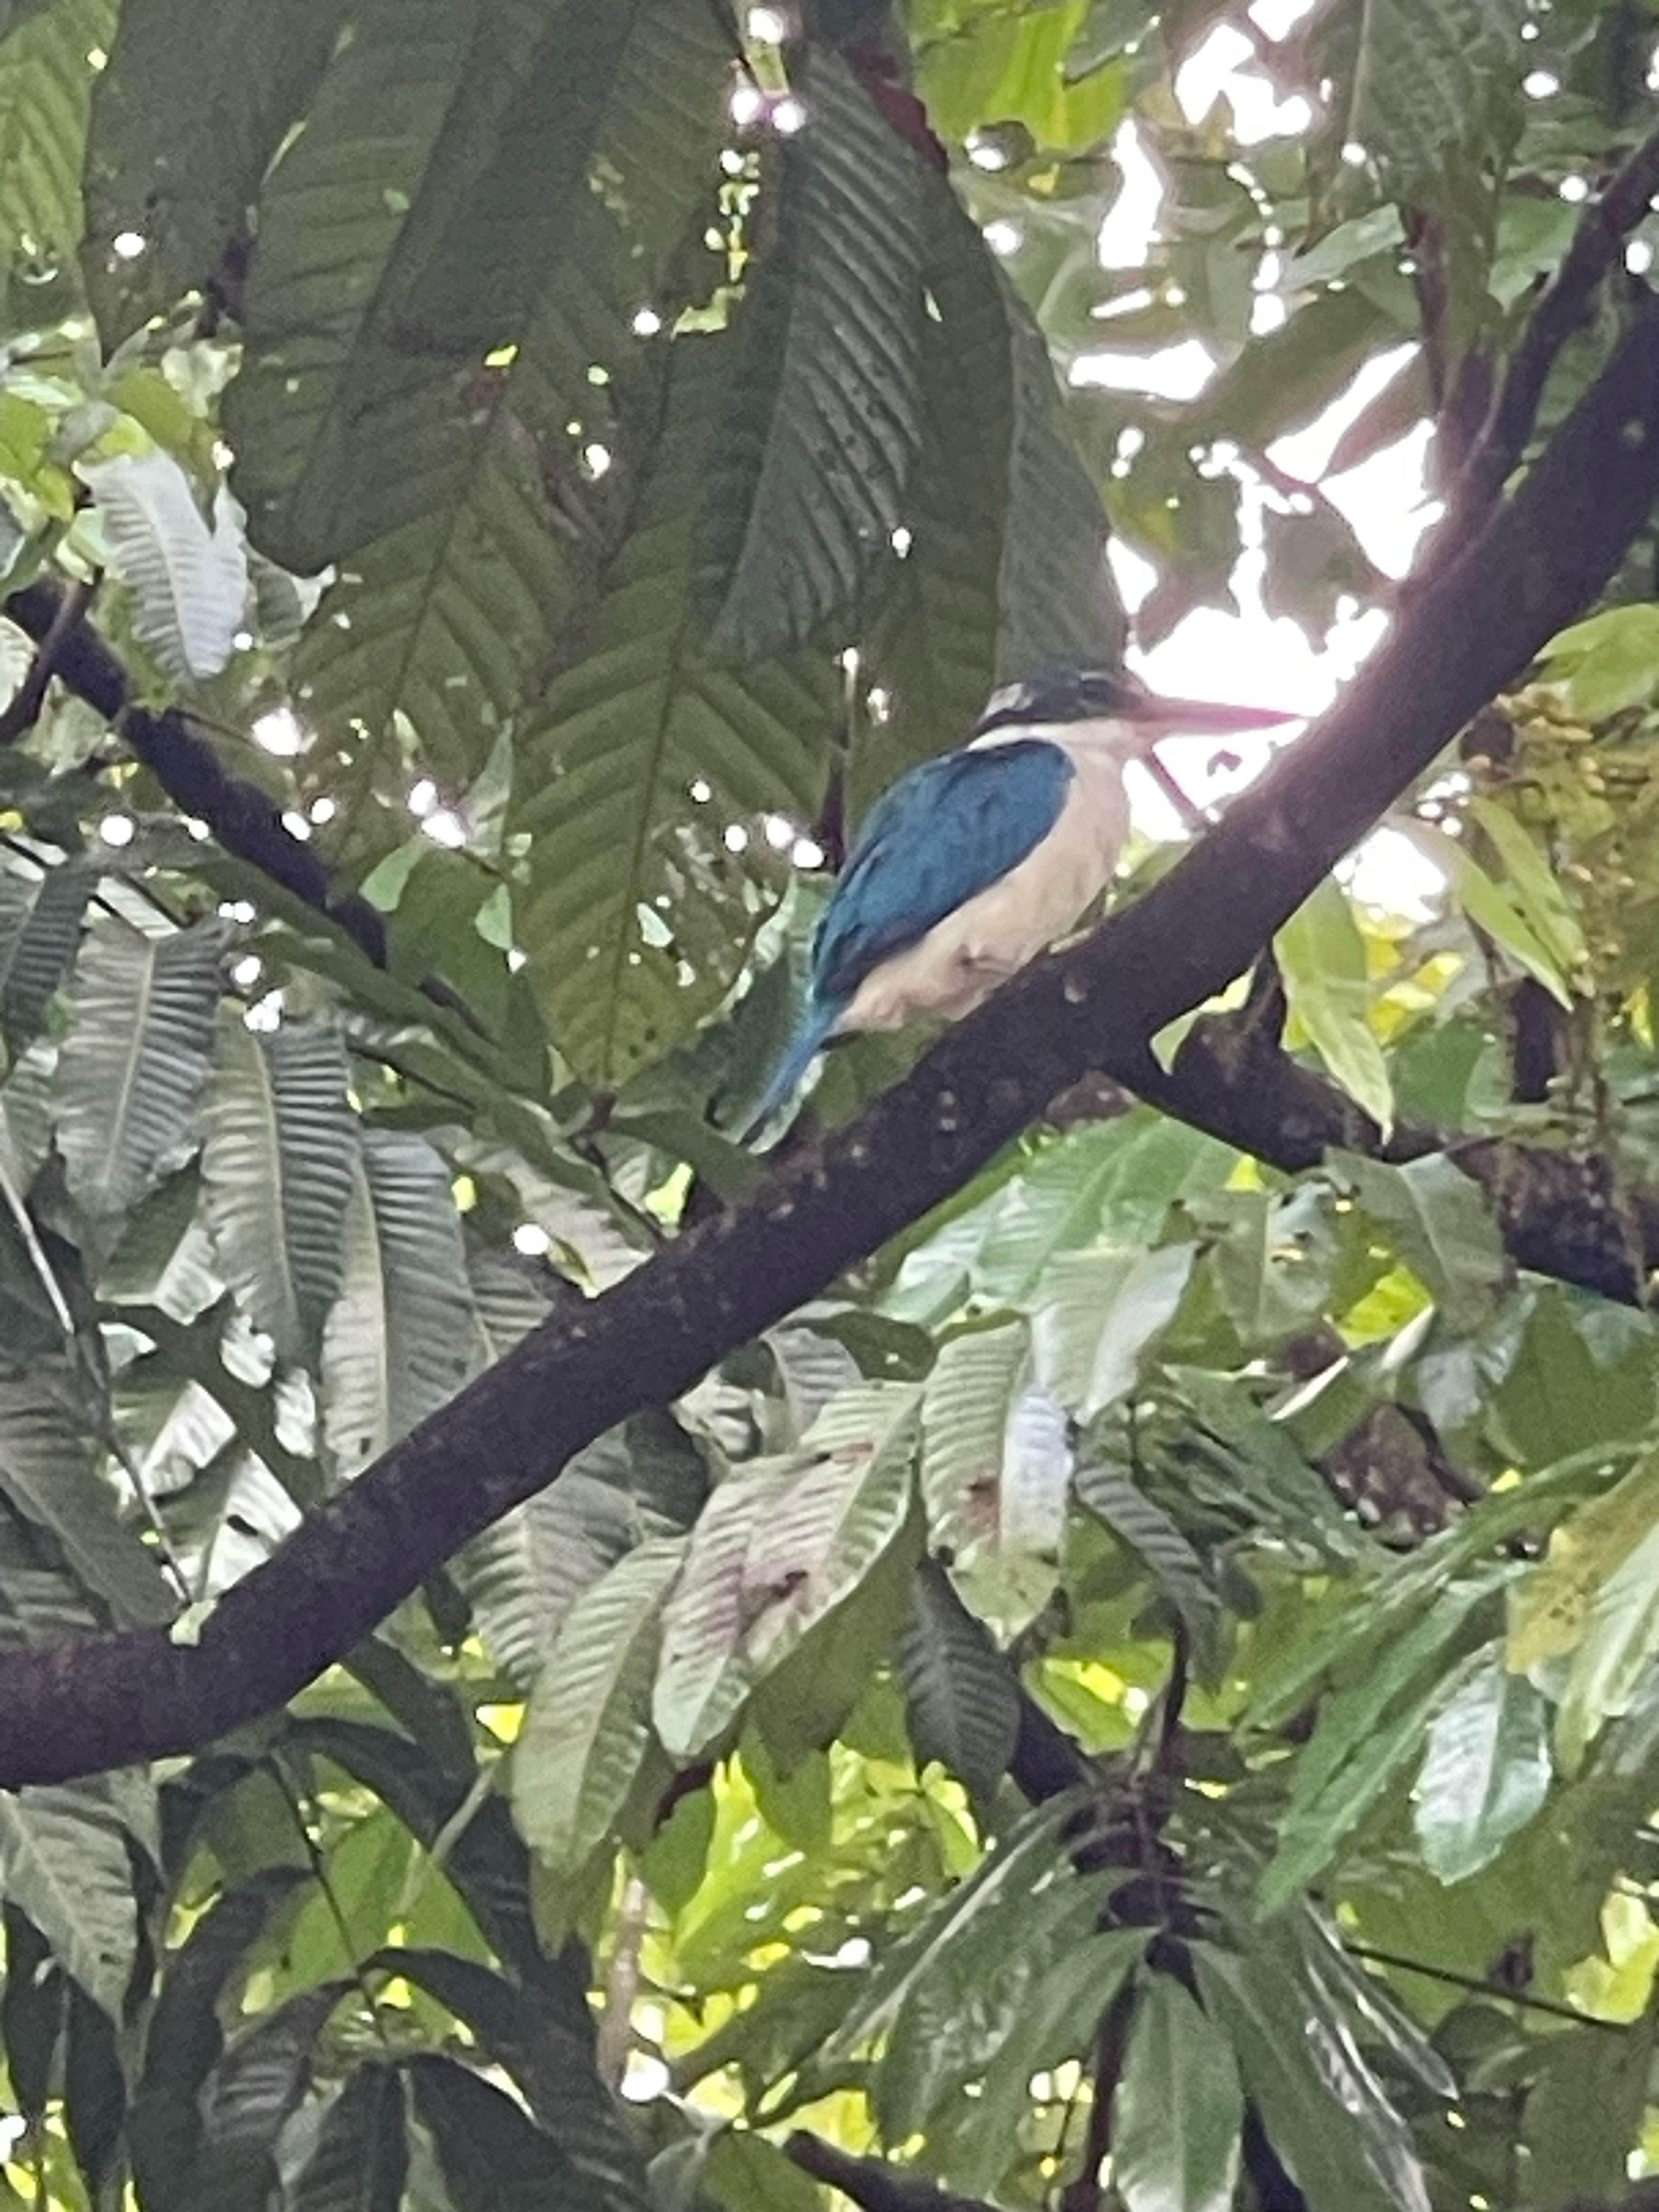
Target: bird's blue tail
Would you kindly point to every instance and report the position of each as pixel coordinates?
(807, 1042)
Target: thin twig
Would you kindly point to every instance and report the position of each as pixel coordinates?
(1480, 1988)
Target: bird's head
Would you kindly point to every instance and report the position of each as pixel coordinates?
(1078, 702)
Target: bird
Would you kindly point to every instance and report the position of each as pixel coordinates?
(974, 861)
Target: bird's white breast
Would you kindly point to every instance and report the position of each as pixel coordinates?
(962, 959)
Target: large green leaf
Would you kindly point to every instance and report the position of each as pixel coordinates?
(1444, 1227)
(281, 1144)
(65, 1861)
(1335, 2132)
(523, 1576)
(493, 2159)
(135, 1058)
(49, 1471)
(934, 645)
(1420, 83)
(588, 1725)
(41, 918)
(638, 913)
(1486, 1772)
(1096, 1315)
(1059, 596)
(362, 2152)
(961, 1696)
(469, 343)
(1321, 960)
(248, 2098)
(1109, 1491)
(187, 577)
(542, 2033)
(185, 2039)
(1179, 2109)
(46, 74)
(807, 478)
(402, 1337)
(192, 108)
(996, 1466)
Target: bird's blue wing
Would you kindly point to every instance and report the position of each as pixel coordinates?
(948, 829)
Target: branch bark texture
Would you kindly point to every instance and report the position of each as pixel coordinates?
(1538, 561)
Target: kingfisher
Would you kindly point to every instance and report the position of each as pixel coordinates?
(974, 862)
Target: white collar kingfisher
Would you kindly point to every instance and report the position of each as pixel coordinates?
(975, 861)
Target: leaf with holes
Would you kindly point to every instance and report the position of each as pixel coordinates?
(641, 907)
(136, 1059)
(996, 1465)
(402, 1335)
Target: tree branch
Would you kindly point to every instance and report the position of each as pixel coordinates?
(247, 821)
(66, 1708)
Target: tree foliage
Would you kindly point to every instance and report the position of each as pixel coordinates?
(1144, 1693)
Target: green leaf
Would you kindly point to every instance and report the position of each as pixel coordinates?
(402, 1335)
(49, 1471)
(1442, 1223)
(136, 1059)
(588, 1725)
(745, 2173)
(192, 108)
(493, 2159)
(933, 647)
(638, 915)
(996, 1464)
(185, 2039)
(41, 918)
(1326, 2114)
(484, 1857)
(1097, 1314)
(807, 479)
(475, 320)
(46, 75)
(1486, 1772)
(701, 1683)
(187, 577)
(1366, 1732)
(1008, 65)
(1114, 1182)
(1608, 663)
(1321, 958)
(523, 1576)
(65, 1861)
(541, 2032)
(1110, 1493)
(1535, 883)
(1619, 1638)
(1059, 598)
(1179, 2109)
(281, 1144)
(1420, 83)
(1488, 906)
(1584, 2114)
(362, 2152)
(960, 1697)
(248, 2098)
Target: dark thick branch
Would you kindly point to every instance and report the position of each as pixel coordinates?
(68, 1708)
(247, 821)
(1563, 1214)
